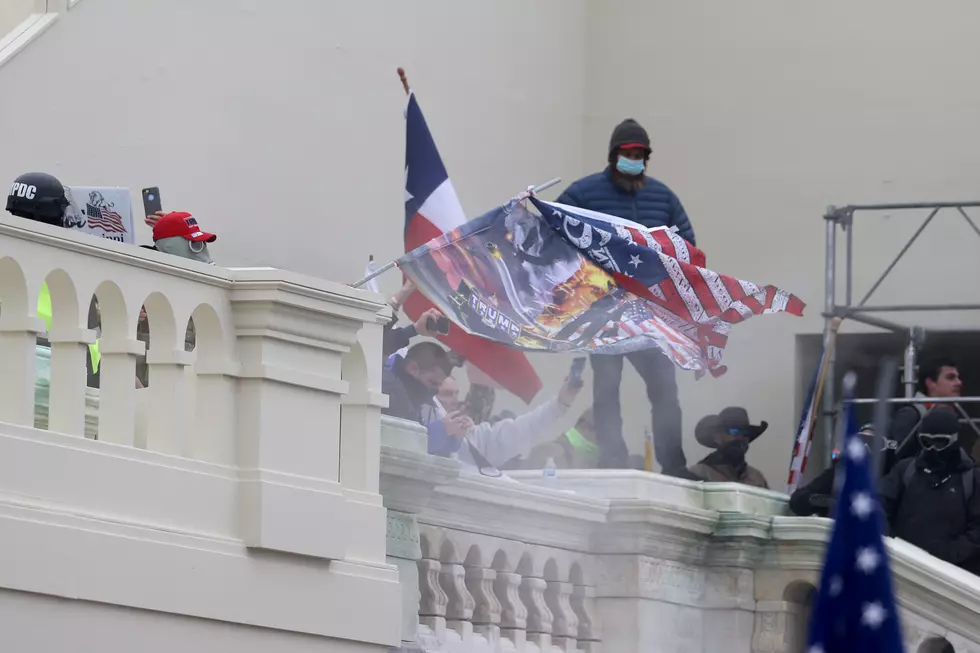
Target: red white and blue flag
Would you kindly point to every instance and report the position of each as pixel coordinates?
(432, 209)
(693, 305)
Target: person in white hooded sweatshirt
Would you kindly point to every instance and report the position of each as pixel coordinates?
(498, 442)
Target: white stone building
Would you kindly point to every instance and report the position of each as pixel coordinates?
(255, 500)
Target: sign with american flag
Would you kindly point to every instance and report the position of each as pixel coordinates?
(590, 283)
(103, 212)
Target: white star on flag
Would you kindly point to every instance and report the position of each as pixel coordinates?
(862, 505)
(873, 615)
(408, 196)
(856, 449)
(867, 559)
(635, 260)
(816, 648)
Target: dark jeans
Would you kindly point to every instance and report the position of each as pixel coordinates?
(657, 372)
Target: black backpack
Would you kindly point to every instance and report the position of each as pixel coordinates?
(967, 478)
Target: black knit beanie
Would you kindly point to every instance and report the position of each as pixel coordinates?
(627, 132)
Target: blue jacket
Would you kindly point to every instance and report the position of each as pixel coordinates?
(654, 205)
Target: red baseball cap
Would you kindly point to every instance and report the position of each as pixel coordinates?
(634, 146)
(181, 224)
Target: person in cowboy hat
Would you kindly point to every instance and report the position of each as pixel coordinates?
(729, 434)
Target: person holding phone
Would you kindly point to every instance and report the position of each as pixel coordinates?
(431, 323)
(502, 440)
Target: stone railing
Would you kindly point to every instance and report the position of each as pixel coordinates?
(628, 561)
(236, 475)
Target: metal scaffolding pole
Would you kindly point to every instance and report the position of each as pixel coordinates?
(843, 216)
(829, 401)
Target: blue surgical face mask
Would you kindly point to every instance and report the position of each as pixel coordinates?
(630, 166)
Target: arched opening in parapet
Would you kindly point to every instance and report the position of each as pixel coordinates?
(800, 597)
(936, 645)
(58, 307)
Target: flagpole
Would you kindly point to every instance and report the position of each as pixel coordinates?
(384, 268)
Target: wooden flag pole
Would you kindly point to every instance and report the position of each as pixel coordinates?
(402, 76)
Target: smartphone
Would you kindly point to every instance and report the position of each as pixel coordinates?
(439, 325)
(575, 375)
(151, 200)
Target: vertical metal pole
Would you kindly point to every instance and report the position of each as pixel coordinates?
(909, 377)
(829, 305)
(849, 275)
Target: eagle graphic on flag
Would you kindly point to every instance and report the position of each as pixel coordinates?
(575, 280)
(432, 209)
(100, 214)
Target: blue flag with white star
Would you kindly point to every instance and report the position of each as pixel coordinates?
(855, 609)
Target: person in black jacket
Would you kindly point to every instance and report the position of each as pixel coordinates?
(932, 500)
(624, 190)
(817, 496)
(396, 338)
(938, 377)
(411, 382)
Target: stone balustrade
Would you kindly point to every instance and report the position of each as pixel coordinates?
(628, 561)
(246, 472)
(254, 485)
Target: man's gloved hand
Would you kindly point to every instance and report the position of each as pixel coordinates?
(821, 500)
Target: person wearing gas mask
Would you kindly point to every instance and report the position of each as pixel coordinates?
(178, 233)
(729, 433)
(624, 190)
(932, 500)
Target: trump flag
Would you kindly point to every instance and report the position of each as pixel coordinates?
(589, 283)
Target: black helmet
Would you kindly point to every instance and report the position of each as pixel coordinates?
(38, 196)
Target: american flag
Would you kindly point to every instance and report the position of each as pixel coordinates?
(106, 219)
(855, 609)
(691, 307)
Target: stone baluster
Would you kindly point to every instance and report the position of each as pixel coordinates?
(779, 627)
(486, 614)
(117, 389)
(583, 603)
(564, 631)
(166, 413)
(539, 617)
(513, 613)
(18, 336)
(459, 613)
(69, 358)
(432, 606)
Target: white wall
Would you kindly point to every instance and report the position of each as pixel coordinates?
(13, 13)
(86, 627)
(764, 112)
(279, 125)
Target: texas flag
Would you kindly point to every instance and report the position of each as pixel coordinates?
(431, 209)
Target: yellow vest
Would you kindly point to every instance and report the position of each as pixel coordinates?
(44, 312)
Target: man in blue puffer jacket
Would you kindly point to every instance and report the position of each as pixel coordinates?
(623, 190)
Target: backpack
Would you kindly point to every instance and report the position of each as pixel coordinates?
(967, 478)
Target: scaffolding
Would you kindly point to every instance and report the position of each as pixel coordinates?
(843, 218)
